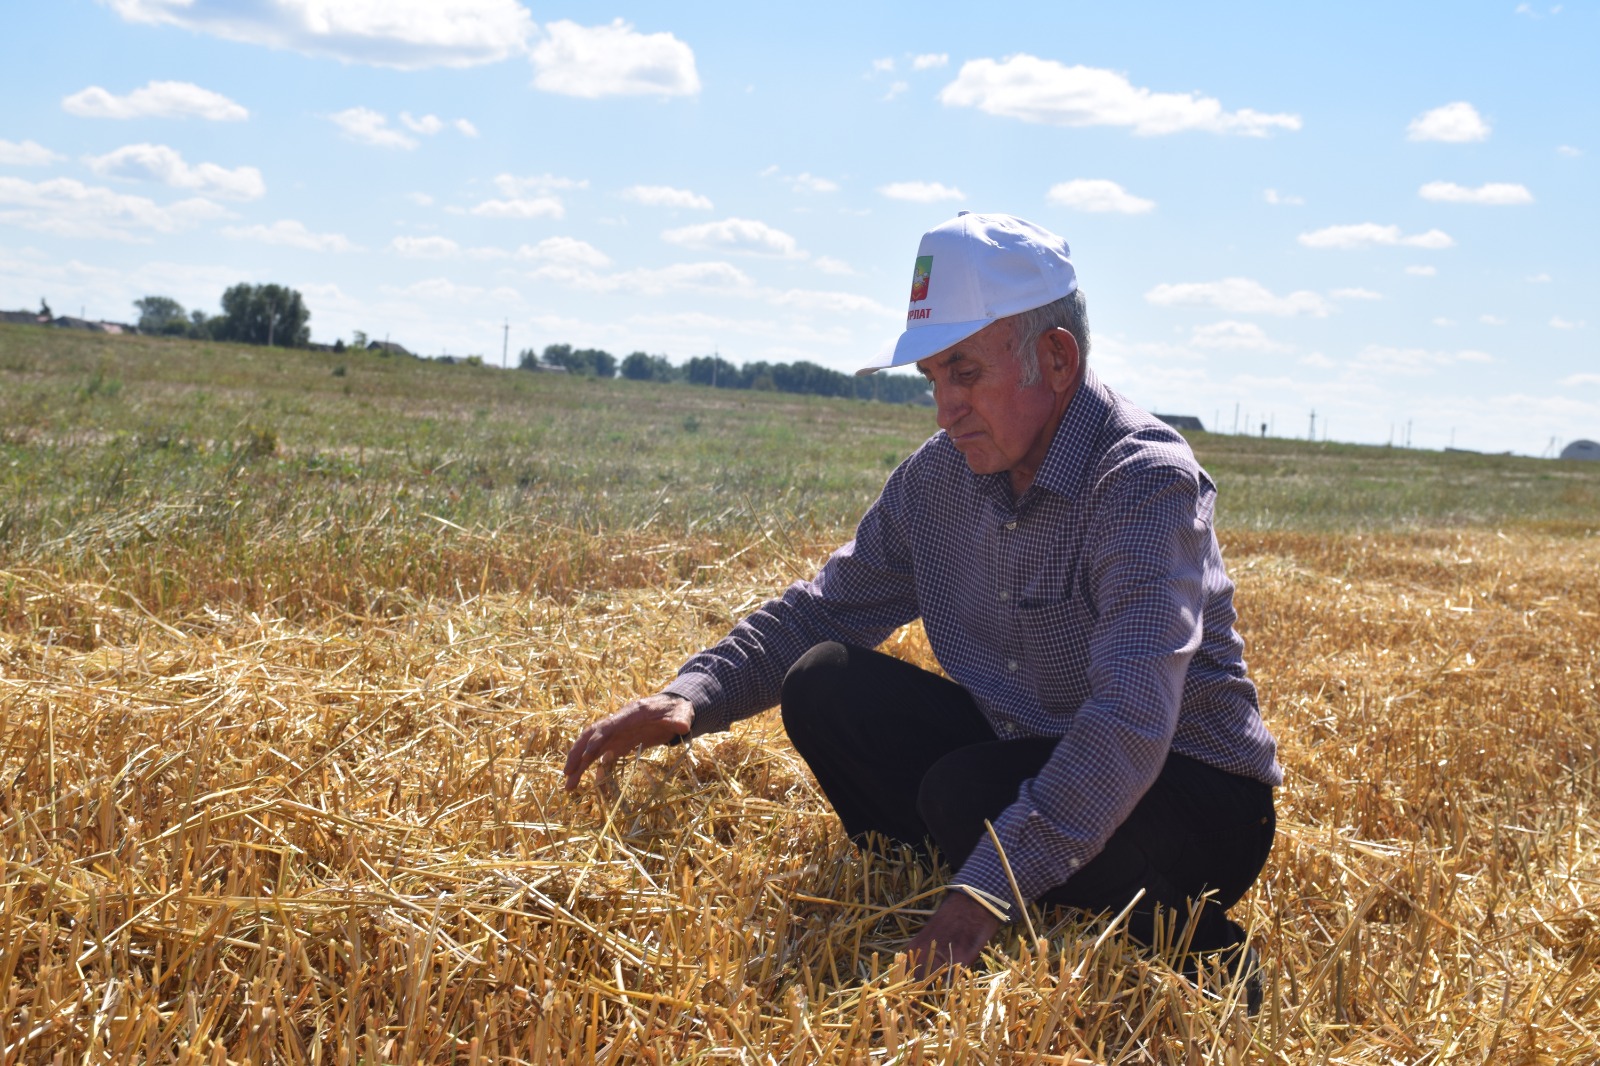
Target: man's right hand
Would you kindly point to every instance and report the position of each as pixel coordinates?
(641, 724)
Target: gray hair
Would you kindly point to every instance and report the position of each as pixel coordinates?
(1070, 313)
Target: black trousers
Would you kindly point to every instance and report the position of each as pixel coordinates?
(907, 754)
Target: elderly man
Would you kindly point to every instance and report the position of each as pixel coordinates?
(1057, 543)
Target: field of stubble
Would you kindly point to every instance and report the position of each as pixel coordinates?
(287, 675)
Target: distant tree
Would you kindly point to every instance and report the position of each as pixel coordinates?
(162, 314)
(639, 366)
(201, 327)
(44, 309)
(599, 363)
(265, 314)
(358, 339)
(714, 370)
(338, 344)
(592, 361)
(528, 359)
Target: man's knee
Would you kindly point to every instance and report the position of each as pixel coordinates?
(810, 688)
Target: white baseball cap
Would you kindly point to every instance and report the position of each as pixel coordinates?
(971, 271)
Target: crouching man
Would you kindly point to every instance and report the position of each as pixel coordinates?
(1057, 543)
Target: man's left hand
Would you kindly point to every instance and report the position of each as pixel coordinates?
(954, 935)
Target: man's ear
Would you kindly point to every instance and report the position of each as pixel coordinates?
(1058, 358)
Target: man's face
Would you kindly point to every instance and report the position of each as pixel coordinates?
(996, 424)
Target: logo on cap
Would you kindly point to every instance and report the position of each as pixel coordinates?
(919, 278)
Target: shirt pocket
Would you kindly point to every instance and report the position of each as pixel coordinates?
(1055, 639)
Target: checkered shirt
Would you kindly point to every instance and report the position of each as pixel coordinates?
(1094, 607)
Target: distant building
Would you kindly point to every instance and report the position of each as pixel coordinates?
(387, 348)
(1182, 422)
(1581, 449)
(68, 322)
(21, 318)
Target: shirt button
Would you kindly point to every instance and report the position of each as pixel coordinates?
(1011, 525)
(1004, 596)
(1012, 666)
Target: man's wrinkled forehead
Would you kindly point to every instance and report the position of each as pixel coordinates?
(947, 358)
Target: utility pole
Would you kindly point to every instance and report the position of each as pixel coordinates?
(1408, 433)
(505, 346)
(1312, 436)
(1236, 419)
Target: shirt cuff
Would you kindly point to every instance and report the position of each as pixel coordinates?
(703, 692)
(1036, 874)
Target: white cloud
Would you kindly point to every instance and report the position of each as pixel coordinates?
(465, 127)
(1557, 322)
(1239, 336)
(1443, 322)
(883, 66)
(816, 300)
(513, 187)
(1539, 279)
(366, 126)
(829, 265)
(1581, 379)
(1456, 123)
(735, 234)
(1355, 294)
(425, 247)
(427, 125)
(1279, 199)
(435, 247)
(612, 60)
(666, 196)
(421, 199)
(1369, 234)
(1415, 362)
(405, 34)
(1042, 90)
(716, 278)
(1569, 151)
(69, 208)
(534, 207)
(1491, 320)
(930, 60)
(711, 277)
(1422, 271)
(159, 99)
(921, 192)
(158, 162)
(565, 250)
(1318, 360)
(26, 154)
(806, 182)
(896, 89)
(1241, 296)
(1492, 193)
(290, 234)
(1098, 195)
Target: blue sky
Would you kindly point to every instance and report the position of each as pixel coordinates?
(1384, 213)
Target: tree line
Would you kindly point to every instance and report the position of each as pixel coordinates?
(277, 315)
(713, 371)
(251, 314)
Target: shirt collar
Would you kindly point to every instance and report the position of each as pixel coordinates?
(1067, 461)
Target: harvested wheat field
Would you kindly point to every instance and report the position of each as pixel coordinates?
(282, 751)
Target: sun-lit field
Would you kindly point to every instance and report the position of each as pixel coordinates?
(292, 646)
